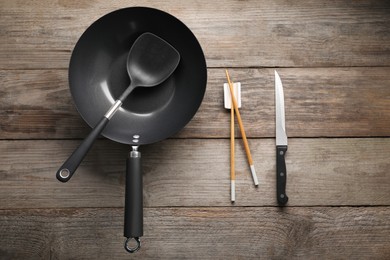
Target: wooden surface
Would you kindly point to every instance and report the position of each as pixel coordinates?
(334, 61)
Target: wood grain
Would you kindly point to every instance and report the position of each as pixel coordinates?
(191, 172)
(334, 61)
(267, 33)
(199, 233)
(327, 102)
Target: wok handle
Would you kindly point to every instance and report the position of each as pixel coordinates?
(70, 165)
(133, 228)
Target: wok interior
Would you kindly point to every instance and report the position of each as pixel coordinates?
(98, 76)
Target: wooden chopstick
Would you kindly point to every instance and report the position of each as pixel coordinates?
(232, 164)
(248, 152)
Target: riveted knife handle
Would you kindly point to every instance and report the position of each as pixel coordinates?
(281, 174)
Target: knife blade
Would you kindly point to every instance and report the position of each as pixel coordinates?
(281, 142)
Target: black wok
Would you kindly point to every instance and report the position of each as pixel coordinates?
(98, 76)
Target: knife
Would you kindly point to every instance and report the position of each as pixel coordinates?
(281, 142)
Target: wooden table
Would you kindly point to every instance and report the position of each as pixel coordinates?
(334, 61)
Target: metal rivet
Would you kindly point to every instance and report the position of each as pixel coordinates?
(282, 196)
(136, 138)
(64, 173)
(281, 152)
(282, 174)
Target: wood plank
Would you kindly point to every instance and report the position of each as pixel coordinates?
(37, 104)
(265, 33)
(334, 61)
(199, 233)
(191, 172)
(328, 102)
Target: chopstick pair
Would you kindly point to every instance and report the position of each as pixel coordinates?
(234, 110)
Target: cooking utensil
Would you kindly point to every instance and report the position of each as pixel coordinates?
(281, 142)
(232, 162)
(228, 103)
(97, 77)
(246, 145)
(151, 60)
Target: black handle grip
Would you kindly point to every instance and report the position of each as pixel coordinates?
(281, 175)
(133, 197)
(70, 165)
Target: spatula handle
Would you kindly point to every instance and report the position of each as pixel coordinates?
(70, 165)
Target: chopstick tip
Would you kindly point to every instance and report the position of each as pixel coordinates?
(254, 176)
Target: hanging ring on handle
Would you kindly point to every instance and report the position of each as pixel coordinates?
(132, 249)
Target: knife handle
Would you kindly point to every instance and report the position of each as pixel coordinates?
(281, 174)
